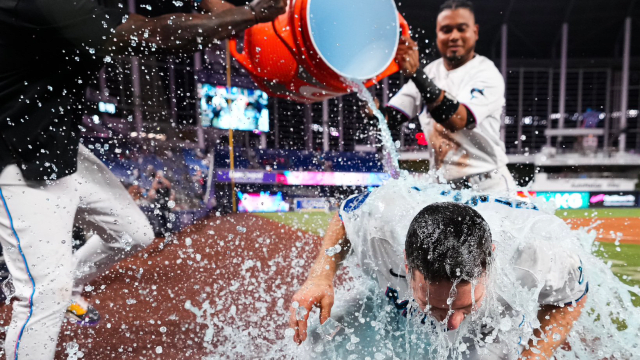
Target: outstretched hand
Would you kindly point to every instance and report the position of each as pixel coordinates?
(268, 10)
(407, 56)
(312, 294)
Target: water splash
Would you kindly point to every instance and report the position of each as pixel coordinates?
(333, 250)
(72, 349)
(203, 316)
(8, 289)
(389, 151)
(608, 328)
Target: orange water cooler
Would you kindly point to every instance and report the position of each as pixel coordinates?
(320, 47)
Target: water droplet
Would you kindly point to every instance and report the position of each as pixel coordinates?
(127, 241)
(333, 250)
(8, 289)
(301, 312)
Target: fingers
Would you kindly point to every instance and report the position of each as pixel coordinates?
(302, 304)
(407, 41)
(325, 308)
(268, 10)
(298, 320)
(407, 46)
(408, 57)
(408, 65)
(293, 323)
(301, 317)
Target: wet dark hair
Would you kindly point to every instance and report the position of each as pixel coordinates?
(448, 242)
(457, 4)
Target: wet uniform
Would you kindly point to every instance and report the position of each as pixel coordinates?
(49, 52)
(475, 155)
(537, 263)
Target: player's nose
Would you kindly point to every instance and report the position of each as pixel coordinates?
(455, 320)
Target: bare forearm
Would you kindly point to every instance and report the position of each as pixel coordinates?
(215, 6)
(177, 33)
(555, 325)
(325, 267)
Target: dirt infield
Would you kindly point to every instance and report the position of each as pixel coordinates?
(610, 229)
(247, 267)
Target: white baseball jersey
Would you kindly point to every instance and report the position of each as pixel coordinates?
(529, 250)
(479, 86)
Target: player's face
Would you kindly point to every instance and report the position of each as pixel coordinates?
(436, 299)
(457, 35)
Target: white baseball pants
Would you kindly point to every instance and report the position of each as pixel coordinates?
(36, 222)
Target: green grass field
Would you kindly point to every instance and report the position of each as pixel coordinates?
(625, 261)
(313, 222)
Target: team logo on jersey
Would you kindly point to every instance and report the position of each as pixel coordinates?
(475, 91)
(353, 203)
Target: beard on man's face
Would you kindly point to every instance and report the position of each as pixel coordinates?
(454, 59)
(457, 57)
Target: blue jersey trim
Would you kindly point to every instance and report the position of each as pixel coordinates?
(586, 291)
(400, 110)
(477, 199)
(354, 203)
(581, 277)
(33, 283)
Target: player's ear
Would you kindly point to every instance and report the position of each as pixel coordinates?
(477, 31)
(493, 248)
(406, 266)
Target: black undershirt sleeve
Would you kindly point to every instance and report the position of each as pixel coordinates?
(395, 119)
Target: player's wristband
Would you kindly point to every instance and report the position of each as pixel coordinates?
(471, 120)
(445, 110)
(429, 91)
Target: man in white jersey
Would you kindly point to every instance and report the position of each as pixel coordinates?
(459, 100)
(501, 283)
